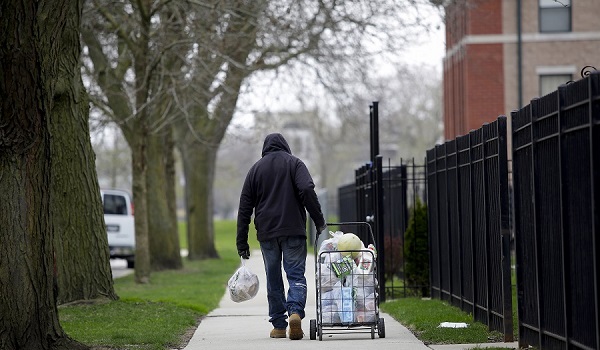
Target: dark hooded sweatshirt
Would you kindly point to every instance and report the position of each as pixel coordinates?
(277, 188)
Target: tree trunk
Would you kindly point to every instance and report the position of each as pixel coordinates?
(199, 169)
(32, 35)
(162, 227)
(138, 141)
(139, 159)
(81, 245)
(172, 182)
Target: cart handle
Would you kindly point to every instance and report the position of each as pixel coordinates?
(346, 223)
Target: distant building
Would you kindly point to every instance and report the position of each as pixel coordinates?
(500, 54)
(295, 128)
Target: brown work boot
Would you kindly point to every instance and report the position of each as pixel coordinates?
(295, 327)
(278, 333)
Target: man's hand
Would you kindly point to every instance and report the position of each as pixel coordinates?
(245, 254)
(320, 229)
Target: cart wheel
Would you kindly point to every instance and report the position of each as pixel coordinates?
(381, 328)
(373, 332)
(313, 329)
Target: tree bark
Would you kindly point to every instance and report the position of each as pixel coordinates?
(81, 245)
(139, 159)
(199, 161)
(163, 236)
(32, 37)
(138, 139)
(171, 184)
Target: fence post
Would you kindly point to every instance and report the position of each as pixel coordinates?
(379, 224)
(536, 234)
(457, 238)
(432, 199)
(448, 239)
(374, 122)
(505, 229)
(404, 195)
(472, 224)
(564, 242)
(594, 124)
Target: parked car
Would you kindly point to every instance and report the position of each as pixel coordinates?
(120, 228)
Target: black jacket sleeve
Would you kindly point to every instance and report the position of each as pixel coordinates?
(306, 191)
(245, 211)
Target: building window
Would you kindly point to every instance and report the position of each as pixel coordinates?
(550, 83)
(555, 16)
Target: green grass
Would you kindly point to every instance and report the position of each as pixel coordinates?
(156, 316)
(198, 286)
(182, 226)
(128, 324)
(422, 307)
(423, 316)
(225, 231)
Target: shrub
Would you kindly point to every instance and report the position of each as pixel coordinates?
(416, 249)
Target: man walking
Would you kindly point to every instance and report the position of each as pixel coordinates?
(279, 190)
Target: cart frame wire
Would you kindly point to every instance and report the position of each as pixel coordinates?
(347, 320)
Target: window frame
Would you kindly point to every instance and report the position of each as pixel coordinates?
(569, 10)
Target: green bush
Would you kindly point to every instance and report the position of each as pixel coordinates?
(416, 250)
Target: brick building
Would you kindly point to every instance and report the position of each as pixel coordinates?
(500, 54)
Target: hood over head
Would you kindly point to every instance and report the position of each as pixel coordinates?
(275, 142)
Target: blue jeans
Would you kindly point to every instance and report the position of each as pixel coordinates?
(293, 251)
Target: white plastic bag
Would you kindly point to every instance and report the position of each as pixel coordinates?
(243, 285)
(327, 278)
(329, 245)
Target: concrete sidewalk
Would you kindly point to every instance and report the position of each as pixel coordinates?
(246, 325)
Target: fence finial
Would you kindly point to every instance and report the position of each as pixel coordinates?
(585, 71)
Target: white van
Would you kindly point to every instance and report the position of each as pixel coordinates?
(120, 228)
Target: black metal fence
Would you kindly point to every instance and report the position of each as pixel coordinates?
(555, 219)
(469, 234)
(400, 187)
(347, 203)
(556, 169)
(403, 186)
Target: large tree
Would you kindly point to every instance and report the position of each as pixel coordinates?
(81, 247)
(129, 84)
(34, 38)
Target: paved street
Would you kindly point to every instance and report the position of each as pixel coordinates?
(119, 268)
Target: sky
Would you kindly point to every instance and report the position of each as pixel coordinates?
(429, 50)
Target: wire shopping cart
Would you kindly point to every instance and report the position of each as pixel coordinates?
(346, 288)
